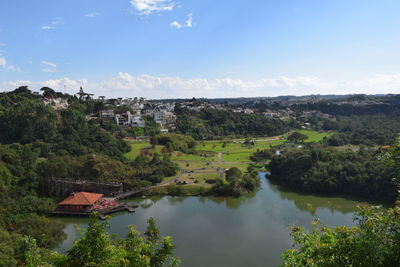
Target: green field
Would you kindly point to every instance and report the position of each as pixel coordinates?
(191, 157)
(314, 136)
(232, 152)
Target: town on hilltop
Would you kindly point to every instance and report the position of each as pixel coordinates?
(135, 112)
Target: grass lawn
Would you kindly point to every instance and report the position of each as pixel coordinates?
(136, 148)
(169, 178)
(190, 157)
(237, 156)
(192, 165)
(314, 136)
(201, 177)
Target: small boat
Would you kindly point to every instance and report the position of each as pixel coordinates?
(102, 217)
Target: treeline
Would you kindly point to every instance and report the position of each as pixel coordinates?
(363, 130)
(319, 169)
(213, 124)
(389, 107)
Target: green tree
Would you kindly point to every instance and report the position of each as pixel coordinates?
(96, 248)
(233, 174)
(374, 241)
(297, 137)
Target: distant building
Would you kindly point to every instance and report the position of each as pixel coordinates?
(123, 118)
(129, 119)
(137, 121)
(107, 114)
(163, 116)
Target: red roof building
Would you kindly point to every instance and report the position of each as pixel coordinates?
(80, 201)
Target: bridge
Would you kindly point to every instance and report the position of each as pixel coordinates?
(132, 193)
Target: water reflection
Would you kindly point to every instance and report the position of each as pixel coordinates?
(224, 231)
(312, 202)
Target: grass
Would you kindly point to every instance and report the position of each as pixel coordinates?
(136, 148)
(191, 157)
(314, 136)
(200, 177)
(240, 156)
(170, 177)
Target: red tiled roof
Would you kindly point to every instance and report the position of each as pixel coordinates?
(81, 198)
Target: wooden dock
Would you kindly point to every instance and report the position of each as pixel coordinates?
(101, 212)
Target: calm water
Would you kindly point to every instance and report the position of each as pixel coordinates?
(223, 231)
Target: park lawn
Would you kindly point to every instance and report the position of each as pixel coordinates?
(314, 136)
(193, 165)
(190, 157)
(136, 148)
(237, 156)
(170, 177)
(216, 146)
(201, 177)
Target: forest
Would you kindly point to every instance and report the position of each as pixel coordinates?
(319, 169)
(38, 144)
(214, 124)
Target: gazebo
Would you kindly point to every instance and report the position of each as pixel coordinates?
(82, 201)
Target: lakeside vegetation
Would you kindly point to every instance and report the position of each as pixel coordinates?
(39, 143)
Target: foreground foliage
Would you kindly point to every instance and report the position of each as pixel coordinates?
(374, 241)
(95, 248)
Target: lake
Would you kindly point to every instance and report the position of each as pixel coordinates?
(223, 231)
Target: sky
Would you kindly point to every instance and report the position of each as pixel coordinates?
(201, 48)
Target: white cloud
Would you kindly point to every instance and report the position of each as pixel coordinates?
(92, 14)
(54, 65)
(188, 23)
(5, 66)
(2, 44)
(125, 84)
(147, 7)
(3, 62)
(48, 70)
(176, 24)
(56, 21)
(48, 28)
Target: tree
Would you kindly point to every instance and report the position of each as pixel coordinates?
(48, 92)
(297, 137)
(374, 241)
(6, 250)
(96, 248)
(233, 174)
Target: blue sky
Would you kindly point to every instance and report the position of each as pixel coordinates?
(168, 48)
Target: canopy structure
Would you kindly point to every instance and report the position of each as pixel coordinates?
(81, 199)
